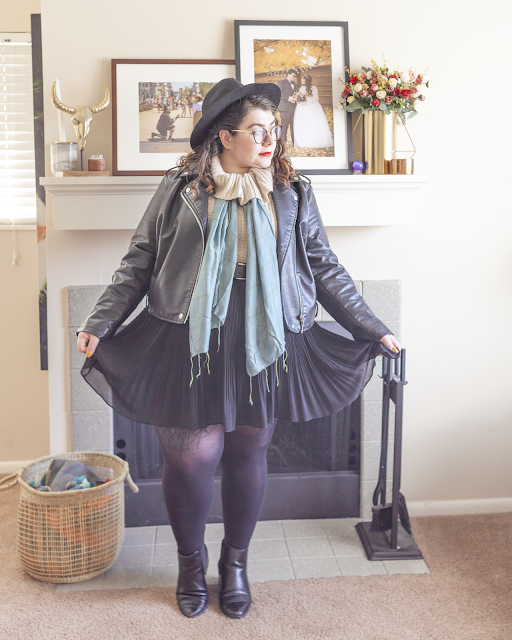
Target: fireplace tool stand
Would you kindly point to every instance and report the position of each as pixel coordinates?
(389, 536)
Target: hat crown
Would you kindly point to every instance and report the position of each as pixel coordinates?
(221, 89)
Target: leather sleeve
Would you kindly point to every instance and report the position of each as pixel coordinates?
(335, 288)
(130, 281)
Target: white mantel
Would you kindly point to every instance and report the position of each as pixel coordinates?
(118, 202)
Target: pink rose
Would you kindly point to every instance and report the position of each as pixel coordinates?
(419, 79)
(373, 80)
(422, 98)
(388, 99)
(363, 93)
(389, 88)
(372, 89)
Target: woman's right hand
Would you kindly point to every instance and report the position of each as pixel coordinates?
(87, 343)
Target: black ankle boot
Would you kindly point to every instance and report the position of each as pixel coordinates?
(235, 597)
(191, 592)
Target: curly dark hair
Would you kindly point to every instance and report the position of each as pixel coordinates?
(199, 161)
(309, 81)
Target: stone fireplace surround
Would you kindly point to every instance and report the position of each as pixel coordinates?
(91, 418)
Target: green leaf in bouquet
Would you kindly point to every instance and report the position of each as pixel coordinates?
(412, 114)
(384, 107)
(427, 83)
(353, 106)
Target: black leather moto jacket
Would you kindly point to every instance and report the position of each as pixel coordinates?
(167, 248)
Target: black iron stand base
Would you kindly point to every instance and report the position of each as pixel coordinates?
(377, 544)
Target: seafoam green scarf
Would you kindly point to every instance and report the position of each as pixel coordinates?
(264, 329)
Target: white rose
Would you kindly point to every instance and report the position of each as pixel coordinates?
(393, 82)
(339, 105)
(358, 87)
(351, 99)
(381, 94)
(417, 105)
(405, 77)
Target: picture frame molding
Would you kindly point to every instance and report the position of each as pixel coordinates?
(302, 23)
(114, 63)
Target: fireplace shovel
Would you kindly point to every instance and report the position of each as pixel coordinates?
(389, 536)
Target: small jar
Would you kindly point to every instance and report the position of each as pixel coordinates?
(97, 163)
(63, 156)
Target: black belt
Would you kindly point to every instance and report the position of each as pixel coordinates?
(239, 271)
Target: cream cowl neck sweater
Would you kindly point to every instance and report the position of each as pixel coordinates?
(256, 183)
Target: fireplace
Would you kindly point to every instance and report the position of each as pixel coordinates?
(325, 468)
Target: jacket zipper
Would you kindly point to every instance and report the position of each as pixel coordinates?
(202, 254)
(301, 316)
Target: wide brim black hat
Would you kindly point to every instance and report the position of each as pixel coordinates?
(224, 94)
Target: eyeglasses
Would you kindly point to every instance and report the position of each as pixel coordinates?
(260, 135)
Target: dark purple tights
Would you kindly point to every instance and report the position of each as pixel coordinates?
(190, 460)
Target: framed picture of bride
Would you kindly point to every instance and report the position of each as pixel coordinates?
(306, 60)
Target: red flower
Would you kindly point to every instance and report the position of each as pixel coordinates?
(346, 91)
(405, 93)
(396, 93)
(394, 76)
(375, 102)
(388, 99)
(353, 80)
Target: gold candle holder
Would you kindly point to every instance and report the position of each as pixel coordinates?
(401, 166)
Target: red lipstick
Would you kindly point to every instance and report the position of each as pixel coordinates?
(266, 154)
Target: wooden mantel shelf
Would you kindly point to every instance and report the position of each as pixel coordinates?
(118, 202)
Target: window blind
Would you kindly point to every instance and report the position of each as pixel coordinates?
(17, 162)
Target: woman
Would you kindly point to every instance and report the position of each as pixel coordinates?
(233, 235)
(309, 122)
(197, 109)
(184, 103)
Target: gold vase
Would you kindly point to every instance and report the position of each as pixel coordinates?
(374, 137)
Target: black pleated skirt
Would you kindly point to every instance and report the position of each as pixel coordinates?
(144, 372)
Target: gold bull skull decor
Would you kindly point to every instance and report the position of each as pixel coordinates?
(81, 116)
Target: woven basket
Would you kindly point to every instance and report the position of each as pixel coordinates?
(70, 536)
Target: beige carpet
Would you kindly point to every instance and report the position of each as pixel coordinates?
(466, 597)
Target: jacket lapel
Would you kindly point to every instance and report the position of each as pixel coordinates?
(286, 207)
(199, 203)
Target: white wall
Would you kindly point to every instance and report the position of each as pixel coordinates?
(454, 264)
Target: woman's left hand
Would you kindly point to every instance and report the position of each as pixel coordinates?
(390, 342)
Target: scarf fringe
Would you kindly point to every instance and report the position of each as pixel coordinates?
(206, 363)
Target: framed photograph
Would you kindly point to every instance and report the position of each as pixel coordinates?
(306, 60)
(155, 106)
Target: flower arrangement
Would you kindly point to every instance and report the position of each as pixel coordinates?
(299, 97)
(378, 89)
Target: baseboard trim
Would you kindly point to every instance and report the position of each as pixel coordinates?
(11, 466)
(458, 507)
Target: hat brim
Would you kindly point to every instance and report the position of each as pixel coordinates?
(272, 91)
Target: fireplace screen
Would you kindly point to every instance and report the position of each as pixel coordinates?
(325, 444)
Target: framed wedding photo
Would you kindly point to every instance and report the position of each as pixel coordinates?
(306, 60)
(155, 106)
